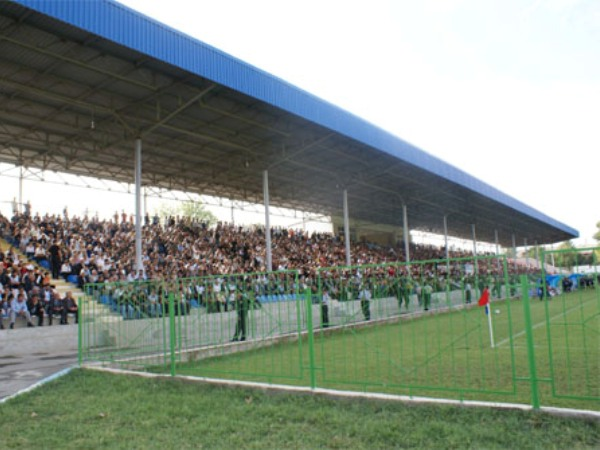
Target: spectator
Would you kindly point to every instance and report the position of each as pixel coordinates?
(65, 269)
(36, 309)
(69, 307)
(18, 308)
(55, 259)
(4, 308)
(56, 307)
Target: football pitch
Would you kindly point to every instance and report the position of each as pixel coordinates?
(442, 354)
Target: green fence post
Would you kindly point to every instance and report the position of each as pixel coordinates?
(535, 399)
(79, 332)
(311, 339)
(172, 331)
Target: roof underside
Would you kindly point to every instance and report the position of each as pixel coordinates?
(74, 98)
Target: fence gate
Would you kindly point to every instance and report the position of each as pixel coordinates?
(566, 337)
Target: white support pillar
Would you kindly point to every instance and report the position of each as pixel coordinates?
(405, 233)
(496, 242)
(526, 255)
(269, 256)
(497, 249)
(347, 229)
(514, 246)
(145, 201)
(139, 265)
(446, 244)
(537, 254)
(232, 214)
(20, 204)
(474, 248)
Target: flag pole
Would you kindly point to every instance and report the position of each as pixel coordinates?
(484, 300)
(488, 311)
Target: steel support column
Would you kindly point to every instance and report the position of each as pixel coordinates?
(269, 256)
(347, 229)
(139, 265)
(446, 245)
(497, 249)
(514, 246)
(20, 204)
(146, 202)
(405, 232)
(474, 248)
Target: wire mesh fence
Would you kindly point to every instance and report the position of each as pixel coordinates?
(410, 329)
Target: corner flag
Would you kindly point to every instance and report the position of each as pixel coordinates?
(485, 297)
(484, 300)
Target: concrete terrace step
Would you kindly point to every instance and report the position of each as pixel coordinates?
(21, 325)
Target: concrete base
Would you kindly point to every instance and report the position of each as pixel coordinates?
(28, 355)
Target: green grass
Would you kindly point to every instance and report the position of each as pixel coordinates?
(444, 355)
(88, 409)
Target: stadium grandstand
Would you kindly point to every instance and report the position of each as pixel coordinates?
(105, 92)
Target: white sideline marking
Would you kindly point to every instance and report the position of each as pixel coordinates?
(545, 347)
(539, 324)
(583, 413)
(37, 384)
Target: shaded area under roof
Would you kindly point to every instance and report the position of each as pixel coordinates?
(80, 80)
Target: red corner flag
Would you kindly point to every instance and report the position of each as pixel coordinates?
(485, 297)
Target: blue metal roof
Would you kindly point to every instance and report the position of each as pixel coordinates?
(128, 28)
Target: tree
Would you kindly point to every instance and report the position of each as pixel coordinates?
(567, 255)
(532, 252)
(597, 234)
(193, 210)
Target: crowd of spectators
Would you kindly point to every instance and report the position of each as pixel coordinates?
(27, 291)
(90, 250)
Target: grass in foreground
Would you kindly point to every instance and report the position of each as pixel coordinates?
(87, 409)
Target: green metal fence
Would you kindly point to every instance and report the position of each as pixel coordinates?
(409, 329)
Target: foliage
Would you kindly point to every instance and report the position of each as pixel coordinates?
(193, 209)
(533, 252)
(597, 234)
(565, 258)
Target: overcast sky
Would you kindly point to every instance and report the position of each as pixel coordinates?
(507, 90)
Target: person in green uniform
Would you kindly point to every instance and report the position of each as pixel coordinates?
(405, 290)
(242, 305)
(468, 293)
(427, 290)
(365, 301)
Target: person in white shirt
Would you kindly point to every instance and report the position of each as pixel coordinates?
(18, 308)
(65, 269)
(325, 300)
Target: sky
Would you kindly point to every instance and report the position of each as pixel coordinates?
(506, 90)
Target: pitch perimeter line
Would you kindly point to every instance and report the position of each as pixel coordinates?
(564, 412)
